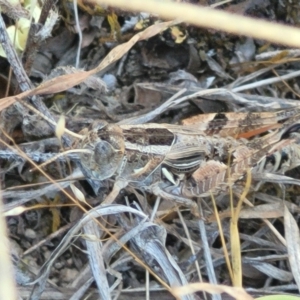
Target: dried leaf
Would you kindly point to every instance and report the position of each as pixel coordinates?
(65, 82)
(264, 211)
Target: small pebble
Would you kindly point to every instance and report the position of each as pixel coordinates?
(110, 81)
(30, 234)
(68, 274)
(59, 265)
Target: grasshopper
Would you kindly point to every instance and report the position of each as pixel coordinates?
(179, 162)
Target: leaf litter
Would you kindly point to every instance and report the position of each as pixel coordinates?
(156, 75)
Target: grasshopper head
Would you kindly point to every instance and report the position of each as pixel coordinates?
(105, 150)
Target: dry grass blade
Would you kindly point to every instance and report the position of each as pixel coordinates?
(15, 211)
(7, 283)
(236, 292)
(225, 250)
(96, 259)
(270, 270)
(234, 236)
(262, 211)
(209, 18)
(192, 247)
(207, 255)
(292, 235)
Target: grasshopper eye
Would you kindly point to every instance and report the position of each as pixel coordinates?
(86, 155)
(104, 152)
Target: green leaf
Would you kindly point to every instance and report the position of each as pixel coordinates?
(279, 297)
